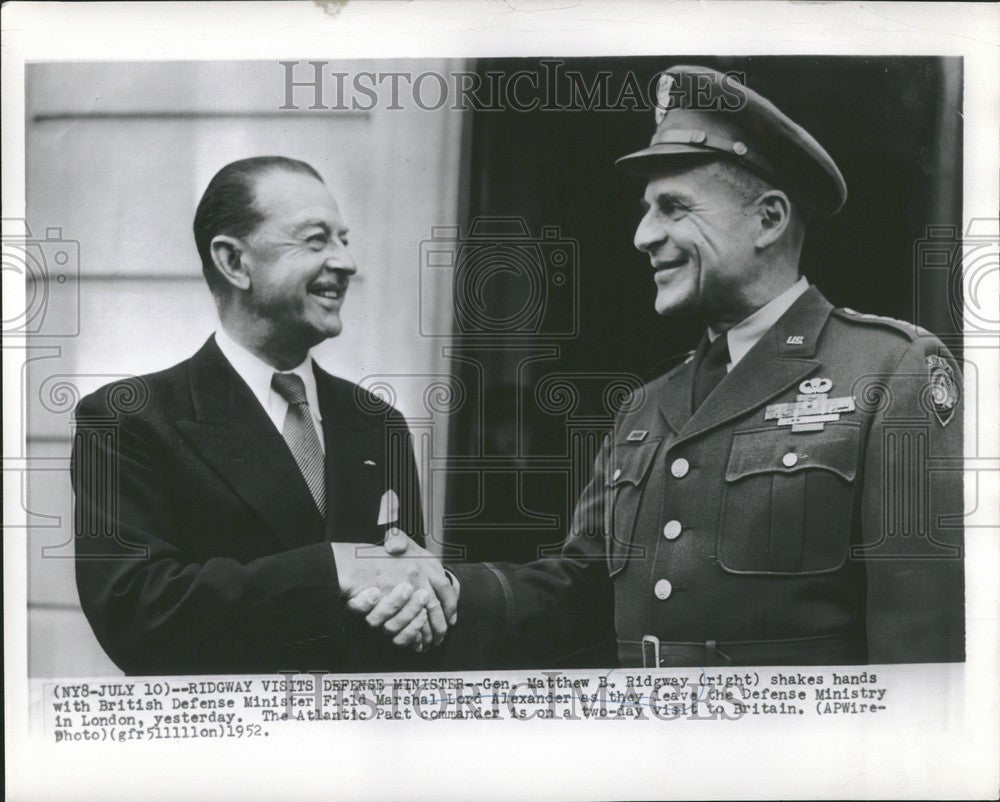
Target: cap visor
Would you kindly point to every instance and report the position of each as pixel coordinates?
(643, 162)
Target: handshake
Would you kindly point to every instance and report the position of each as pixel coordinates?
(400, 588)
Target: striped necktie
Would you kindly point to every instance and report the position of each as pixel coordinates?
(300, 434)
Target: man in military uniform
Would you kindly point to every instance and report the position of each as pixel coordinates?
(769, 500)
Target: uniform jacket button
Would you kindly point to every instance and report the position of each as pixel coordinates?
(679, 467)
(671, 530)
(663, 589)
(616, 474)
(790, 459)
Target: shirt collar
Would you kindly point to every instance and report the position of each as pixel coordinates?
(745, 334)
(257, 373)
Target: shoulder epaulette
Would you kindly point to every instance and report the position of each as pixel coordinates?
(910, 330)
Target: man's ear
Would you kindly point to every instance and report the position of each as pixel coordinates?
(226, 254)
(774, 212)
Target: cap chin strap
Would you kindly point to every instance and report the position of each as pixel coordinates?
(739, 152)
(734, 148)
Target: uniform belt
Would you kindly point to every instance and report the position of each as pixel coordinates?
(651, 652)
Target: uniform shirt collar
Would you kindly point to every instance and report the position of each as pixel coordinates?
(745, 334)
(257, 374)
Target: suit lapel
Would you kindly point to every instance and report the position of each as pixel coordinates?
(354, 462)
(780, 359)
(234, 435)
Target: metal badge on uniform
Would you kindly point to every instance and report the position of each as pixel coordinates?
(794, 339)
(388, 508)
(944, 388)
(370, 463)
(663, 97)
(812, 409)
(637, 435)
(815, 386)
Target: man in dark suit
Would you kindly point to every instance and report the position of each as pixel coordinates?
(791, 493)
(230, 507)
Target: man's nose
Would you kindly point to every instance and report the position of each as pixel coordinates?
(341, 260)
(648, 235)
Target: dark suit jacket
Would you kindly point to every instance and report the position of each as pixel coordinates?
(733, 540)
(199, 546)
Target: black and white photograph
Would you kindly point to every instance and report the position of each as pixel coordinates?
(388, 396)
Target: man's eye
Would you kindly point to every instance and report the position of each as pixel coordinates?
(317, 240)
(672, 210)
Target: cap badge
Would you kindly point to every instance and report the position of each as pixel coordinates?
(663, 96)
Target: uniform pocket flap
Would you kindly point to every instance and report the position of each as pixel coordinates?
(779, 450)
(630, 462)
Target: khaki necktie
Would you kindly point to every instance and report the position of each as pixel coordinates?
(300, 434)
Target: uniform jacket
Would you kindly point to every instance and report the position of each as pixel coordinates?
(721, 537)
(199, 546)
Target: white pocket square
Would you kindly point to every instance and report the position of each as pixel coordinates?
(388, 508)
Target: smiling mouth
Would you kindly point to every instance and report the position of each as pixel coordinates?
(673, 264)
(335, 293)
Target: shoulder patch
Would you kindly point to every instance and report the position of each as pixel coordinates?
(944, 388)
(910, 330)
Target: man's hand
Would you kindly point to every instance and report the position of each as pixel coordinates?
(401, 588)
(412, 625)
(397, 543)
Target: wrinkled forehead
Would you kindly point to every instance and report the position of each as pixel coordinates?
(286, 197)
(692, 179)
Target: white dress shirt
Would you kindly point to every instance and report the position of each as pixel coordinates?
(257, 374)
(745, 334)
